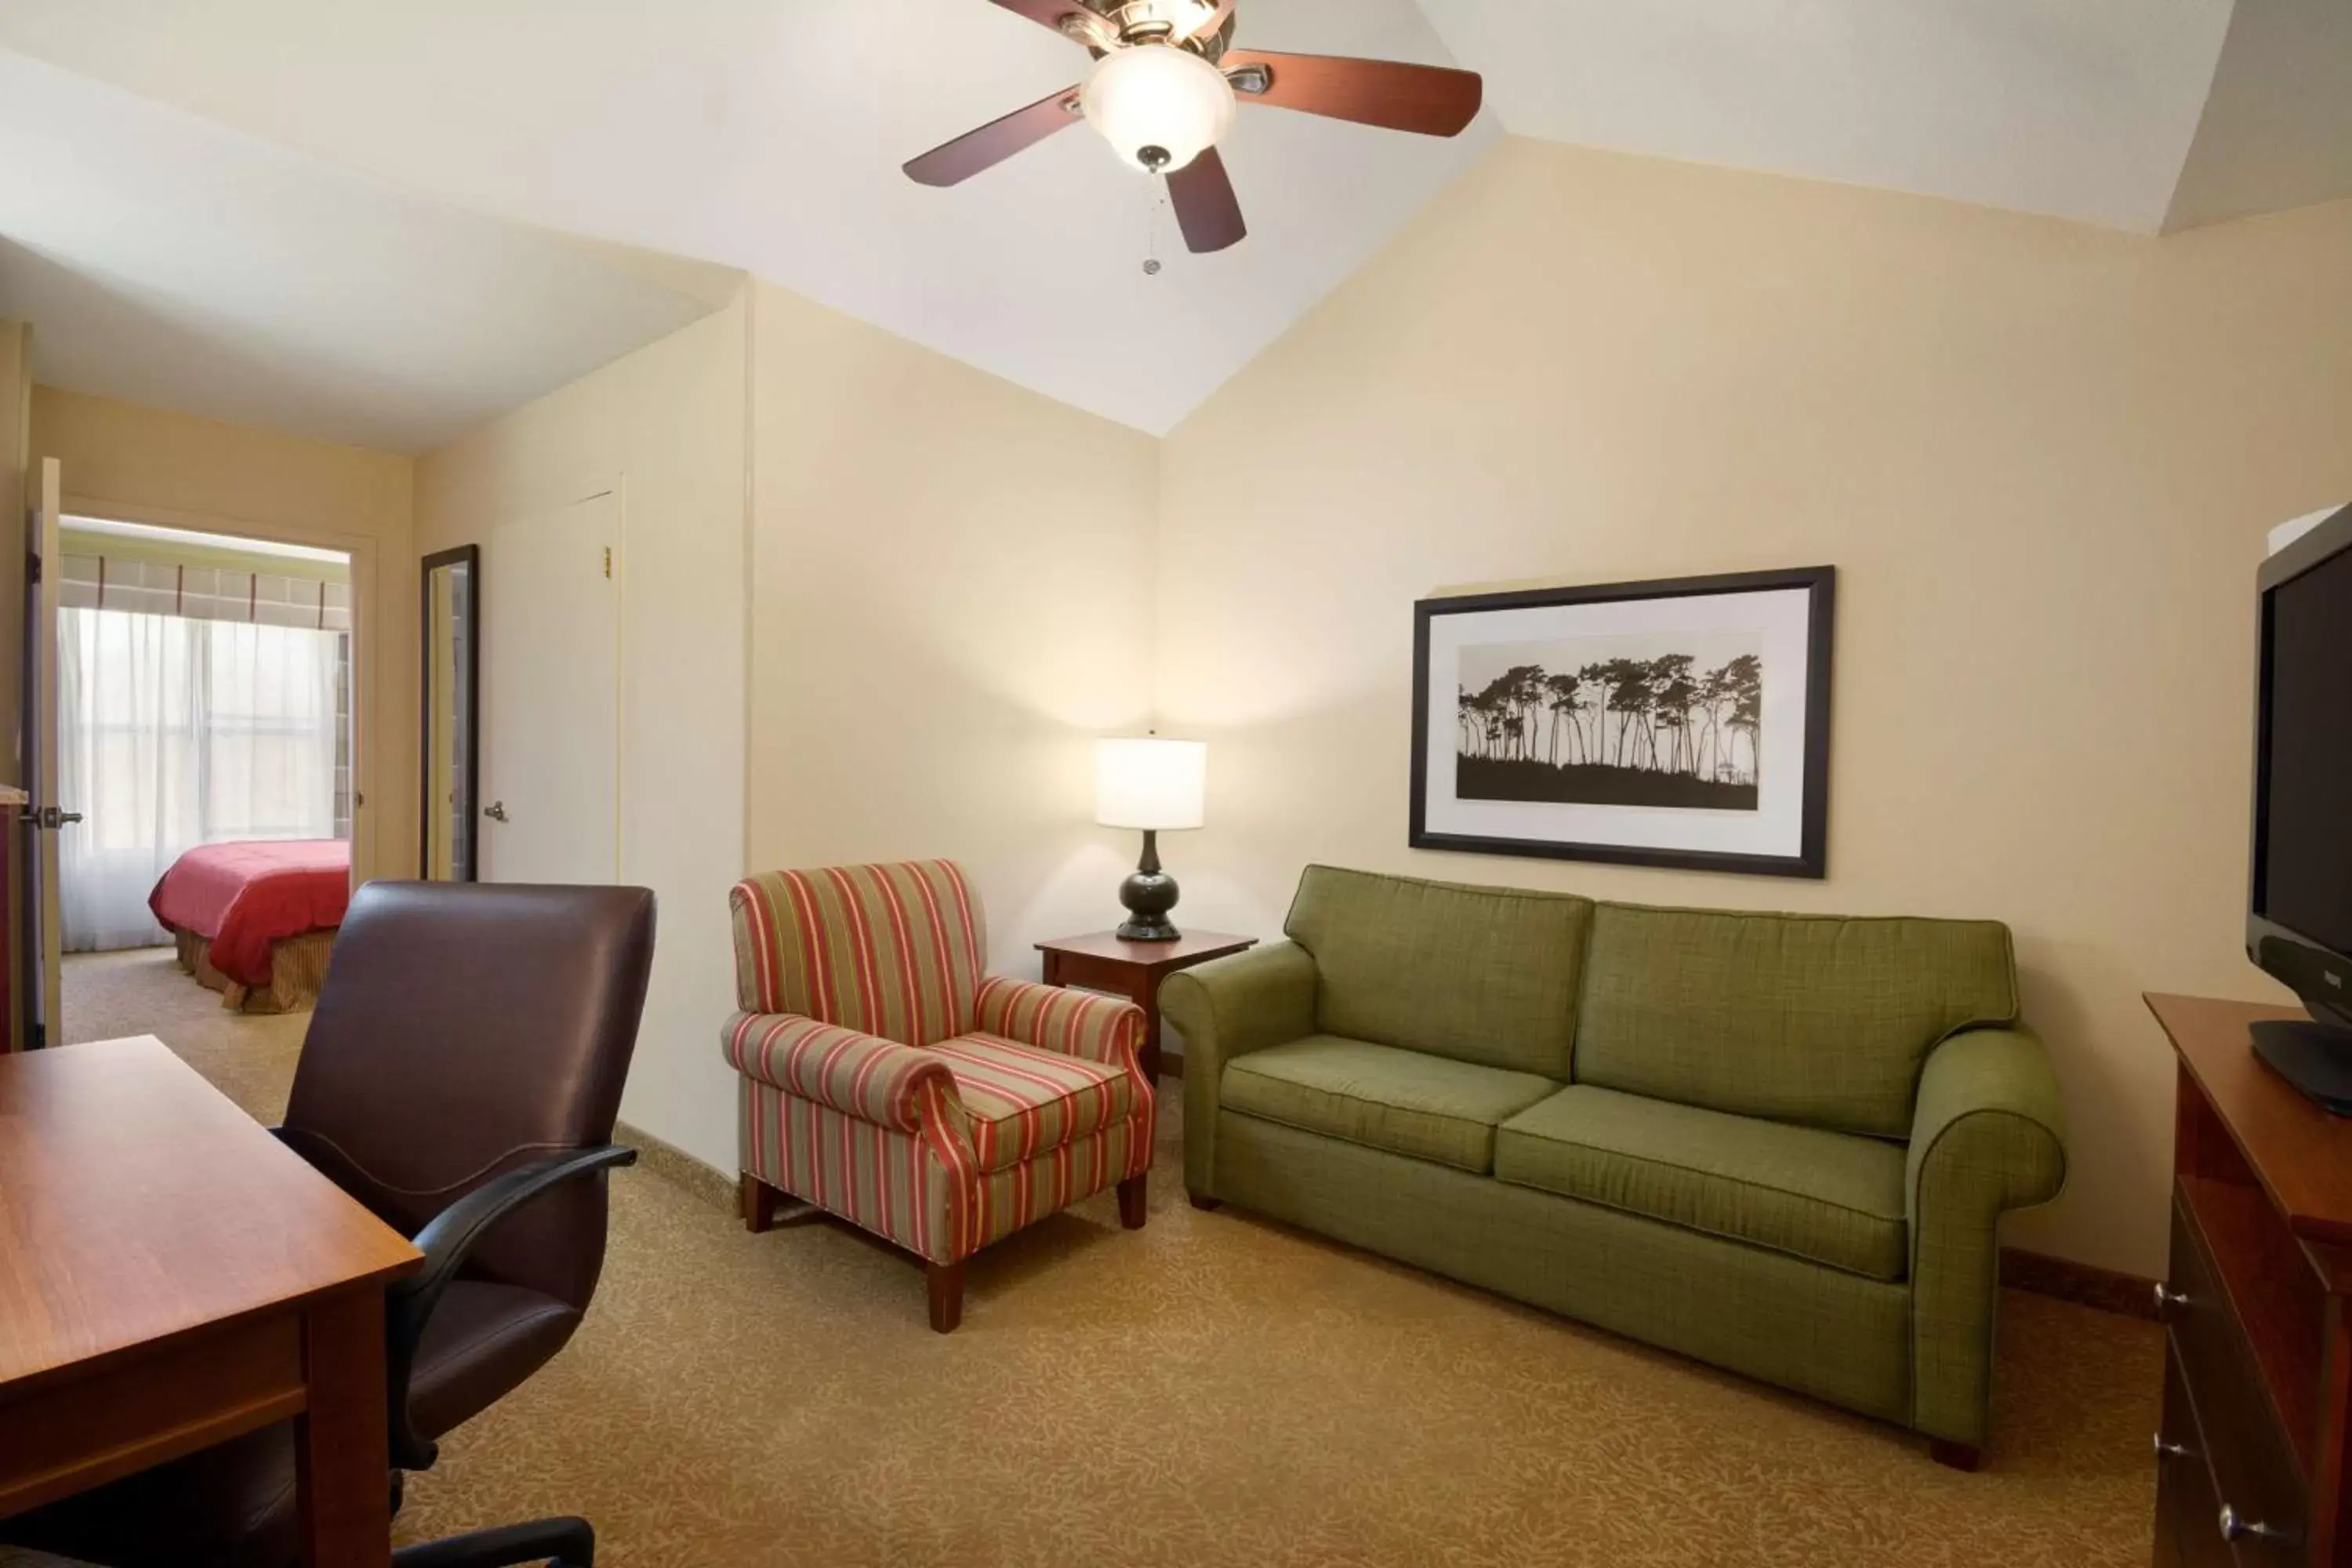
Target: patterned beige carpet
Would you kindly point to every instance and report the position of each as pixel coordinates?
(1211, 1390)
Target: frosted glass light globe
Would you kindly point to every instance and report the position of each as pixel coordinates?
(1159, 106)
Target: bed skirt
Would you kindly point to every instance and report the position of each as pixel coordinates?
(298, 967)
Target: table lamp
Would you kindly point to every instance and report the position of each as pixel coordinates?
(1157, 786)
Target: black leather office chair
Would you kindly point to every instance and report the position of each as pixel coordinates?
(461, 1079)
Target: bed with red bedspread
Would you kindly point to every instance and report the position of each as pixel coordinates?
(254, 921)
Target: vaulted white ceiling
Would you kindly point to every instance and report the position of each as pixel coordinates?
(164, 258)
(767, 135)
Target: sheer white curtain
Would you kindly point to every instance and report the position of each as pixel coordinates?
(173, 733)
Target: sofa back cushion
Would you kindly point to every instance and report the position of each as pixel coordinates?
(1480, 975)
(1816, 1019)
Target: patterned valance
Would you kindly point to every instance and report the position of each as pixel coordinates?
(204, 593)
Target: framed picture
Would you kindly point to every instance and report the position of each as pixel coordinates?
(1681, 723)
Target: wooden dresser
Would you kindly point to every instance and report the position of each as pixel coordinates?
(2252, 1468)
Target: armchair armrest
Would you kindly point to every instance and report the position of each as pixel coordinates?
(447, 1238)
(1075, 1023)
(1226, 1008)
(1989, 1134)
(863, 1076)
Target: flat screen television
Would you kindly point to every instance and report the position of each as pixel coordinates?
(2299, 913)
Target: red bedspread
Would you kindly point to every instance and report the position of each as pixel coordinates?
(248, 896)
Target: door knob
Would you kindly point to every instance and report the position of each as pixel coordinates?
(2166, 1448)
(2235, 1526)
(2166, 1298)
(496, 811)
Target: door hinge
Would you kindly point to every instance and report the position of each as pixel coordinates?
(608, 562)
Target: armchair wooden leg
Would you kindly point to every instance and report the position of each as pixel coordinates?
(760, 1202)
(946, 1281)
(1958, 1456)
(1203, 1202)
(1132, 1205)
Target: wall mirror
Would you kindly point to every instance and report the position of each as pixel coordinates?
(451, 741)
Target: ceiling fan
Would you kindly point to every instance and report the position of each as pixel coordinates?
(1163, 93)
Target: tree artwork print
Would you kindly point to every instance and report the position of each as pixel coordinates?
(1669, 721)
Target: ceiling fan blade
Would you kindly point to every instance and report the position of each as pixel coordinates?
(1206, 208)
(955, 162)
(1066, 18)
(1430, 100)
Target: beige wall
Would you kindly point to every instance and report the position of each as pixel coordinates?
(950, 582)
(665, 427)
(2043, 458)
(144, 465)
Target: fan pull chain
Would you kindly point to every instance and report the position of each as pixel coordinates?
(1151, 228)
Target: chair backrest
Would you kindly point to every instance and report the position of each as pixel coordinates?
(895, 951)
(465, 1029)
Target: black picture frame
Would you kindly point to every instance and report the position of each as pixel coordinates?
(1819, 583)
(468, 833)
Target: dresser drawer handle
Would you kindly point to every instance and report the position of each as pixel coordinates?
(2167, 1449)
(2166, 1298)
(2234, 1527)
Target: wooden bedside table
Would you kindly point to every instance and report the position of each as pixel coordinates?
(1102, 962)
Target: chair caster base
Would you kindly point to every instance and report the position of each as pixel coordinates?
(558, 1542)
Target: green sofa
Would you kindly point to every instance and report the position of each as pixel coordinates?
(1780, 1143)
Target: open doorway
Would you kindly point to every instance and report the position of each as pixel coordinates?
(206, 741)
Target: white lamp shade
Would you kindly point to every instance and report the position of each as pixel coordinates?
(1150, 783)
(1158, 98)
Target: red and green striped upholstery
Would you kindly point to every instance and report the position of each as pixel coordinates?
(1025, 1103)
(885, 1080)
(1075, 1023)
(894, 951)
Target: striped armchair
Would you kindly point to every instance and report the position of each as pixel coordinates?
(886, 1080)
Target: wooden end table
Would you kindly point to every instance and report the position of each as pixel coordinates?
(1102, 960)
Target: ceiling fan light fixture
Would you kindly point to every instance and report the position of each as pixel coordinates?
(1160, 106)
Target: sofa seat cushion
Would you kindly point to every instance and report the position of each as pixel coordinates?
(1431, 1108)
(1024, 1101)
(1832, 1198)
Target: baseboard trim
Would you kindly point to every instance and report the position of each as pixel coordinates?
(675, 1165)
(2085, 1284)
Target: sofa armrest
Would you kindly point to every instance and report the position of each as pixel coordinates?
(1225, 1008)
(873, 1079)
(1989, 1134)
(1081, 1024)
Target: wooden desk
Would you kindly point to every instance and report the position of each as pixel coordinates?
(1104, 960)
(170, 1276)
(2253, 1462)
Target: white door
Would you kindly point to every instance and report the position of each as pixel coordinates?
(550, 696)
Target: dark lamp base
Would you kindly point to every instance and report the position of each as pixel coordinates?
(1148, 894)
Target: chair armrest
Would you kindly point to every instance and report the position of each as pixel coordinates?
(1074, 1023)
(862, 1075)
(447, 1238)
(1989, 1134)
(1225, 1008)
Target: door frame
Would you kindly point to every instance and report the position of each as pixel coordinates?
(370, 854)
